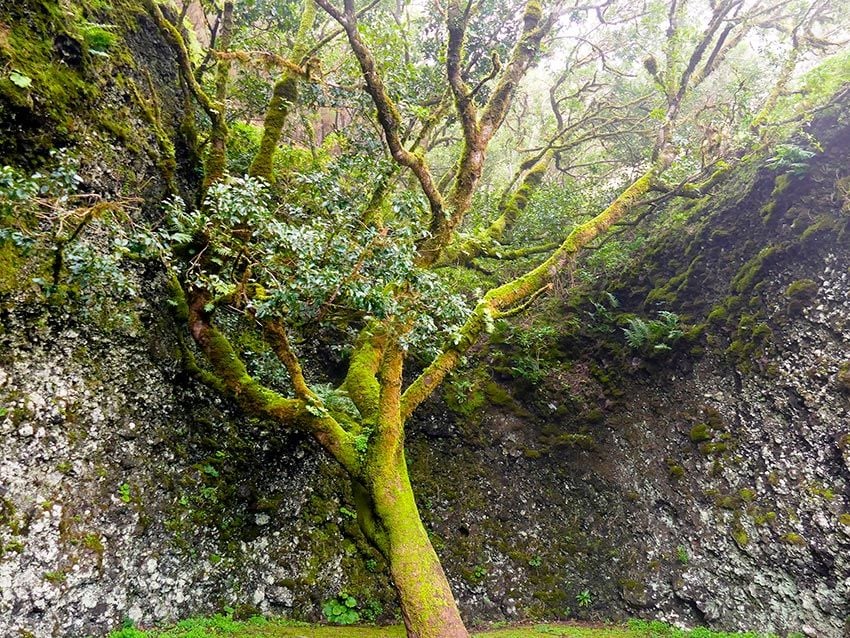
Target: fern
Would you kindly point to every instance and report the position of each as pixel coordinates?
(655, 335)
(637, 333)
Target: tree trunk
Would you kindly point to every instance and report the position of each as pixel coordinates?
(426, 599)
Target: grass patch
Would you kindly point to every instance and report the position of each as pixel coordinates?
(224, 626)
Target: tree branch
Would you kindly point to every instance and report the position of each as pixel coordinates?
(257, 399)
(388, 115)
(478, 131)
(513, 293)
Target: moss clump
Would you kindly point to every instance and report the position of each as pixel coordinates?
(844, 519)
(497, 395)
(822, 491)
(55, 577)
(782, 182)
(740, 536)
(792, 538)
(746, 276)
(718, 315)
(801, 288)
(675, 470)
(762, 332)
(799, 293)
(747, 495)
(749, 339)
(764, 518)
(727, 501)
(843, 376)
(700, 432)
(669, 292)
(823, 225)
(713, 447)
(8, 516)
(464, 398)
(92, 542)
(99, 38)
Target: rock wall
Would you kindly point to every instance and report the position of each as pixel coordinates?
(707, 484)
(704, 484)
(126, 491)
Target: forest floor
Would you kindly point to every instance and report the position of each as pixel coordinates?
(225, 627)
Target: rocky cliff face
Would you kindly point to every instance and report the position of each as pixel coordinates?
(708, 483)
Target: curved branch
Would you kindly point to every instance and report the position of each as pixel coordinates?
(257, 399)
(512, 204)
(388, 115)
(512, 294)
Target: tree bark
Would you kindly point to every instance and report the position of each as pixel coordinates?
(427, 604)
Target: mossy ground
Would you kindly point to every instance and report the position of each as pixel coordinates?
(223, 626)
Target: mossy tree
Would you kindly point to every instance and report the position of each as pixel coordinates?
(243, 253)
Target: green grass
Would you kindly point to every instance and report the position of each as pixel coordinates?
(225, 627)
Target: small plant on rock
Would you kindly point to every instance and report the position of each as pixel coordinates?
(341, 610)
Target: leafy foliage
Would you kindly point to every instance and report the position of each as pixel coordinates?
(312, 262)
(75, 245)
(791, 158)
(531, 359)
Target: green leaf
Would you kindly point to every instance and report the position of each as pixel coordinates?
(20, 80)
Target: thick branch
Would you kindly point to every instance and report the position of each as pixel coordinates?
(478, 133)
(388, 115)
(457, 21)
(507, 296)
(257, 399)
(277, 338)
(217, 156)
(284, 95)
(389, 435)
(535, 27)
(361, 382)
